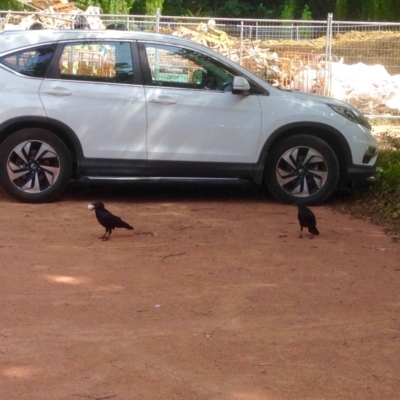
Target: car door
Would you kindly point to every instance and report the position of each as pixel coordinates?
(23, 72)
(192, 115)
(93, 92)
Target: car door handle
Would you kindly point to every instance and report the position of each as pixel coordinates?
(58, 92)
(163, 100)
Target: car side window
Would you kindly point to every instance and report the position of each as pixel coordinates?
(31, 62)
(173, 66)
(97, 62)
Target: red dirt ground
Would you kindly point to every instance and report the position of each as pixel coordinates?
(212, 297)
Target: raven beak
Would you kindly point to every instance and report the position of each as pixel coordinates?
(91, 207)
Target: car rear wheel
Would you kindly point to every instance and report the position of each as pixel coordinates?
(35, 165)
(302, 169)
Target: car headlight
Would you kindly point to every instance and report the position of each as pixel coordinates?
(353, 115)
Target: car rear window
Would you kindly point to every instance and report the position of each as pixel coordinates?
(30, 62)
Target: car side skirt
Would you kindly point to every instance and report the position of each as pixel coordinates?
(127, 169)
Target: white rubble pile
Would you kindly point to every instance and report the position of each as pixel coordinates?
(368, 87)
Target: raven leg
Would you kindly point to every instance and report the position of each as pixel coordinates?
(301, 231)
(107, 237)
(102, 237)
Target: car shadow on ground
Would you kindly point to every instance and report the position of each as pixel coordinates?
(164, 190)
(186, 190)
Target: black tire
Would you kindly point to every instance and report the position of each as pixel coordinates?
(302, 169)
(35, 166)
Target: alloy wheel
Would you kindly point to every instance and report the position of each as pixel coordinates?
(301, 171)
(33, 166)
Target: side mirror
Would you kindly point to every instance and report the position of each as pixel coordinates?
(240, 84)
(199, 76)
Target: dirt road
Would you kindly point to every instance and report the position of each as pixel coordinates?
(212, 297)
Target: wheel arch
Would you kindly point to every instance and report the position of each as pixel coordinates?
(324, 132)
(62, 131)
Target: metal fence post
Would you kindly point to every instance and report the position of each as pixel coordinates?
(241, 42)
(158, 14)
(328, 57)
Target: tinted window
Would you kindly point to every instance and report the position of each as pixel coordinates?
(32, 62)
(97, 62)
(179, 67)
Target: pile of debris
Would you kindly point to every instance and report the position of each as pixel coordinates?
(262, 62)
(371, 88)
(254, 55)
(53, 14)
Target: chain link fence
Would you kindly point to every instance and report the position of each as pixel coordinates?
(357, 62)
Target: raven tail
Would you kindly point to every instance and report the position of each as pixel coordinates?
(314, 230)
(125, 225)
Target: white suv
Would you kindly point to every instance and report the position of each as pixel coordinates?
(116, 105)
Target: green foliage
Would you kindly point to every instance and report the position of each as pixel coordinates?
(198, 13)
(340, 9)
(388, 181)
(386, 190)
(152, 5)
(11, 5)
(107, 6)
(263, 12)
(377, 10)
(234, 9)
(306, 15)
(379, 200)
(289, 9)
(306, 33)
(139, 8)
(350, 10)
(116, 6)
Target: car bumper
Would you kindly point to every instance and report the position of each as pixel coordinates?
(360, 172)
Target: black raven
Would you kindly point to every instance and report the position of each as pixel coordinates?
(108, 220)
(307, 220)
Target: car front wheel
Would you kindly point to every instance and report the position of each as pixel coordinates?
(35, 165)
(302, 169)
